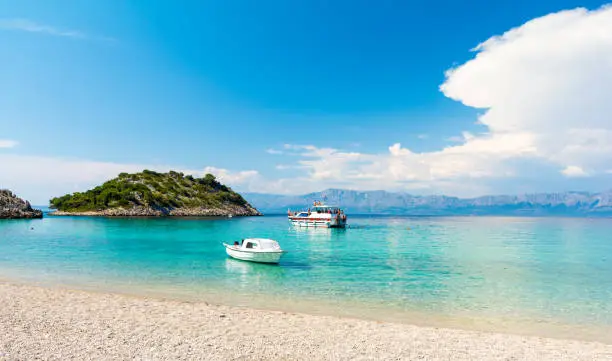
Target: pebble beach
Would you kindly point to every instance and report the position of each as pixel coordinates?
(64, 324)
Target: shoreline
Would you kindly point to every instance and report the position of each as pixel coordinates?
(52, 322)
(227, 209)
(129, 214)
(344, 308)
(99, 215)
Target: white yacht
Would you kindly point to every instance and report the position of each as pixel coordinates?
(320, 215)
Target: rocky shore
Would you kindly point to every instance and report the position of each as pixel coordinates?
(230, 210)
(13, 207)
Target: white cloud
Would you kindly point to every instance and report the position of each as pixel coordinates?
(422, 136)
(544, 90)
(7, 143)
(230, 177)
(464, 137)
(548, 80)
(399, 169)
(273, 151)
(33, 27)
(573, 171)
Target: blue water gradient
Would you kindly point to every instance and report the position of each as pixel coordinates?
(552, 270)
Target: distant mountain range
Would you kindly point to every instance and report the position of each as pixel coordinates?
(382, 202)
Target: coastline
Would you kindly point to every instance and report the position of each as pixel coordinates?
(54, 323)
(339, 307)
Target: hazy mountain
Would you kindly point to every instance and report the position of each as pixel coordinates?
(382, 202)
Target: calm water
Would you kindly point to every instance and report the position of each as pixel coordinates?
(502, 270)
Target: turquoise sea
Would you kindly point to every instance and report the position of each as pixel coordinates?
(549, 276)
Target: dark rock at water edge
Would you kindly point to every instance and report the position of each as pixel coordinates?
(143, 211)
(13, 207)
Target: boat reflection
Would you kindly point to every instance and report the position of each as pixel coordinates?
(319, 234)
(314, 230)
(243, 268)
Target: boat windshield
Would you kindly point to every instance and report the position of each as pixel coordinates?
(333, 210)
(268, 244)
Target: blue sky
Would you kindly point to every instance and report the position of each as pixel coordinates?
(288, 97)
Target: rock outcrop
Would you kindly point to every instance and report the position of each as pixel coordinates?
(12, 207)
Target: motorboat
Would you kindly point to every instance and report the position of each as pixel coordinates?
(320, 215)
(260, 250)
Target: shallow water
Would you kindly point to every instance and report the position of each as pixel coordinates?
(506, 271)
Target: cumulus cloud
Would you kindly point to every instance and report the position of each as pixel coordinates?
(398, 169)
(544, 89)
(547, 80)
(7, 143)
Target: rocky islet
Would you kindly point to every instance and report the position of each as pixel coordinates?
(13, 207)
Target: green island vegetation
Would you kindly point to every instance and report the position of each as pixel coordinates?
(151, 189)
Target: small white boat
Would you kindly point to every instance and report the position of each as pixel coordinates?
(260, 250)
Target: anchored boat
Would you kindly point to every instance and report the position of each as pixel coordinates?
(260, 250)
(320, 215)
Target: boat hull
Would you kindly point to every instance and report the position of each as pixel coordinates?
(320, 223)
(254, 256)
